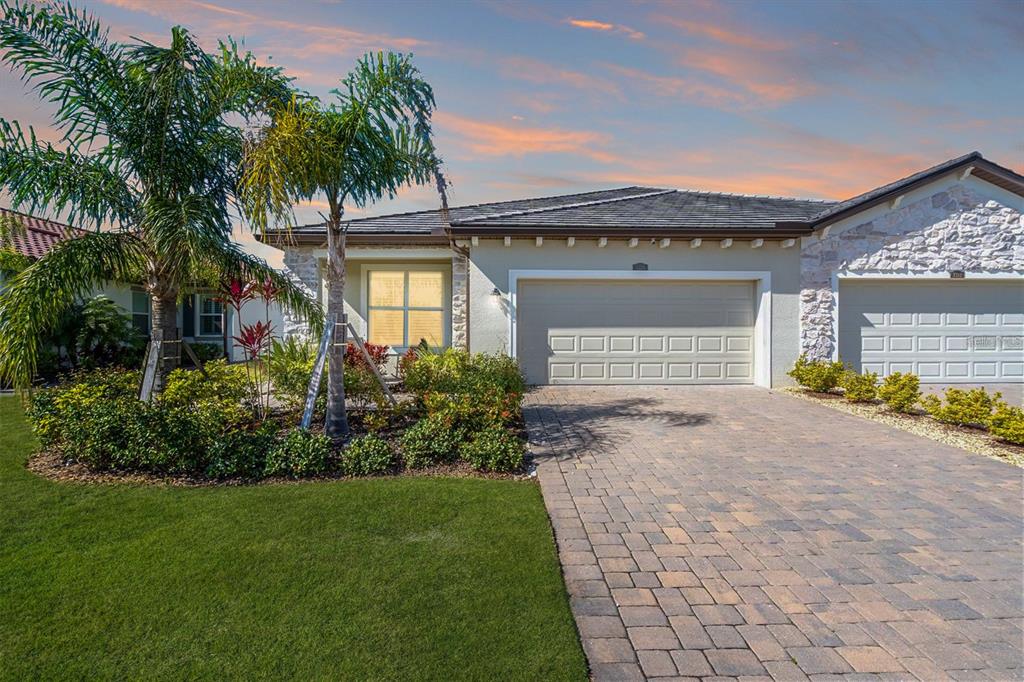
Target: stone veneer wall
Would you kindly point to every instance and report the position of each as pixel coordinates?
(303, 267)
(955, 229)
(460, 301)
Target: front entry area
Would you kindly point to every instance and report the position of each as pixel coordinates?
(636, 331)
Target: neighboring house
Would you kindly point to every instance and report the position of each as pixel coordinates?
(201, 316)
(650, 286)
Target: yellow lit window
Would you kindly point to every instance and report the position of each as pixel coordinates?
(406, 306)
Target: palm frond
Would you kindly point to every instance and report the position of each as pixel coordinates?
(39, 176)
(182, 232)
(32, 303)
(234, 263)
(66, 56)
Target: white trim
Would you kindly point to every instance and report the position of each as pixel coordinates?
(570, 242)
(918, 276)
(372, 253)
(763, 301)
(602, 242)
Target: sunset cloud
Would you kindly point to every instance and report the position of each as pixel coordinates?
(683, 88)
(542, 73)
(594, 25)
(769, 81)
(489, 138)
(726, 35)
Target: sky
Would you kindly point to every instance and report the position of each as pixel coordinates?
(808, 99)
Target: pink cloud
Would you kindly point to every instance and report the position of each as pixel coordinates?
(725, 35)
(685, 88)
(536, 71)
(488, 138)
(594, 25)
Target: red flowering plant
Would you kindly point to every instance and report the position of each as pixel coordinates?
(379, 353)
(254, 340)
(236, 293)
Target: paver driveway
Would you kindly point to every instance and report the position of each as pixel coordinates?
(735, 531)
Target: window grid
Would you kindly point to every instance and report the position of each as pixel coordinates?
(405, 308)
(210, 322)
(140, 311)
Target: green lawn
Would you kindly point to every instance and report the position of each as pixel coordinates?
(385, 579)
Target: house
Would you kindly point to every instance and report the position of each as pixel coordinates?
(201, 316)
(642, 285)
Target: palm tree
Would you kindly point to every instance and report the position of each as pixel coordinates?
(148, 157)
(374, 139)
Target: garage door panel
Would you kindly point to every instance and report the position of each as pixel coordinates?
(942, 331)
(635, 332)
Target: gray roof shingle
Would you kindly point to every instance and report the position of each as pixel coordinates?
(663, 210)
(633, 210)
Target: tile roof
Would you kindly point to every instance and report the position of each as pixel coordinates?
(633, 210)
(662, 210)
(627, 208)
(39, 235)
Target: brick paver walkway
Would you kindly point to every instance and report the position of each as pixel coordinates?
(735, 532)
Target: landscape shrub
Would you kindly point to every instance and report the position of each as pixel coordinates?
(457, 371)
(367, 455)
(820, 376)
(241, 453)
(494, 449)
(290, 365)
(300, 453)
(1007, 423)
(207, 352)
(430, 441)
(859, 388)
(474, 412)
(362, 389)
(964, 408)
(900, 391)
(56, 412)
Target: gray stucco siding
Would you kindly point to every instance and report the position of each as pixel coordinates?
(491, 262)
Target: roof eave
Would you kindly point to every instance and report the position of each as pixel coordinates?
(983, 168)
(284, 241)
(786, 231)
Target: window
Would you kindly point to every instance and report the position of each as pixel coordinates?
(405, 306)
(211, 316)
(140, 311)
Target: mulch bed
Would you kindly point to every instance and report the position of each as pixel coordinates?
(968, 438)
(52, 466)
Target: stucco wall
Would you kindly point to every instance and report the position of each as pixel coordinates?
(950, 224)
(491, 261)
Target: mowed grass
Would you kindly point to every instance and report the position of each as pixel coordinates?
(371, 579)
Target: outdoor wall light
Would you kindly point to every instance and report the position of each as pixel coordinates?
(495, 292)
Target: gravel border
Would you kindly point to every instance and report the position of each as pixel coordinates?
(963, 437)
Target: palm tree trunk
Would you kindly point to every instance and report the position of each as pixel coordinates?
(165, 328)
(336, 419)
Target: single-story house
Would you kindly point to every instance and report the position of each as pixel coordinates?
(201, 316)
(643, 285)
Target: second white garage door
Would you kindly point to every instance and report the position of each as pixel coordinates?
(944, 331)
(636, 332)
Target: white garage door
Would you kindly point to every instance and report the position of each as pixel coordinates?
(943, 331)
(637, 332)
